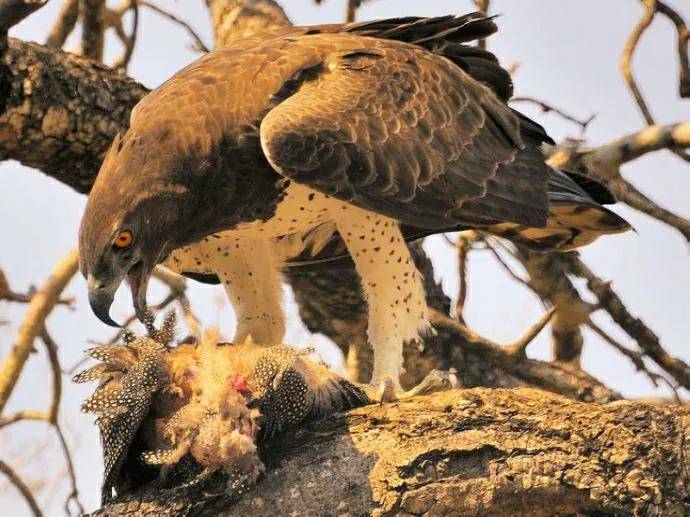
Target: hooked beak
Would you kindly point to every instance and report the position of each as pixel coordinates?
(100, 299)
(101, 295)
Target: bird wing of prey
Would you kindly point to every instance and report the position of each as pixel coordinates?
(396, 126)
(404, 132)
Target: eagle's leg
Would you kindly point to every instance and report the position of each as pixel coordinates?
(394, 292)
(250, 273)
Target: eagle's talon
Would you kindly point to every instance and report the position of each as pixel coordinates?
(436, 380)
(386, 390)
(382, 391)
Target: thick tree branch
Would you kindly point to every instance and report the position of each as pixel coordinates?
(467, 452)
(62, 112)
(14, 11)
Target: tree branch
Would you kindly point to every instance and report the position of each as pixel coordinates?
(64, 25)
(14, 11)
(92, 14)
(21, 486)
(34, 320)
(467, 452)
(62, 112)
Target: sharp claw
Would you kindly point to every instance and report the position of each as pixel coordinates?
(386, 391)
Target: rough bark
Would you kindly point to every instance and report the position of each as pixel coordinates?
(467, 452)
(62, 111)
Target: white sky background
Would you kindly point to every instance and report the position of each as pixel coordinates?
(568, 53)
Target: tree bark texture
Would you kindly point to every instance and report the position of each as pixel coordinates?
(62, 111)
(468, 452)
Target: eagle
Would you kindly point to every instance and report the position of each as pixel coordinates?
(305, 144)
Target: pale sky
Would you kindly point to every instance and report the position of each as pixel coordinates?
(568, 53)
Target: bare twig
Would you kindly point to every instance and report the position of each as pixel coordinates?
(519, 348)
(199, 43)
(651, 8)
(21, 486)
(73, 496)
(636, 199)
(609, 300)
(548, 108)
(24, 415)
(628, 51)
(438, 317)
(67, 19)
(683, 43)
(548, 279)
(463, 246)
(603, 163)
(352, 6)
(491, 246)
(7, 294)
(115, 21)
(51, 349)
(38, 310)
(634, 356)
(606, 159)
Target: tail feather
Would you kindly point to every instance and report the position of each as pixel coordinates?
(576, 217)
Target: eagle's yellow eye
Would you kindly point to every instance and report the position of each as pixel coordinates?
(123, 240)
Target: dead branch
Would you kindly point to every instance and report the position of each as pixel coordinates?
(683, 47)
(603, 163)
(24, 415)
(609, 300)
(492, 243)
(352, 6)
(463, 245)
(114, 20)
(550, 108)
(519, 348)
(464, 452)
(547, 278)
(92, 14)
(606, 159)
(21, 486)
(64, 25)
(631, 196)
(14, 11)
(51, 349)
(34, 321)
(199, 44)
(7, 294)
(651, 8)
(627, 55)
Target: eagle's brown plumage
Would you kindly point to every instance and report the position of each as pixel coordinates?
(305, 139)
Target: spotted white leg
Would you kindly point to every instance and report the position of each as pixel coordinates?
(392, 286)
(250, 273)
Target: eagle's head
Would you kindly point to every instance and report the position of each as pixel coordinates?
(135, 216)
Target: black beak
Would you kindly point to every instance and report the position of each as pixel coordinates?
(100, 301)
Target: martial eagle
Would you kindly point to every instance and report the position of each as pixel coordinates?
(296, 144)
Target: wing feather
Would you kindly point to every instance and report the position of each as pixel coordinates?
(398, 130)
